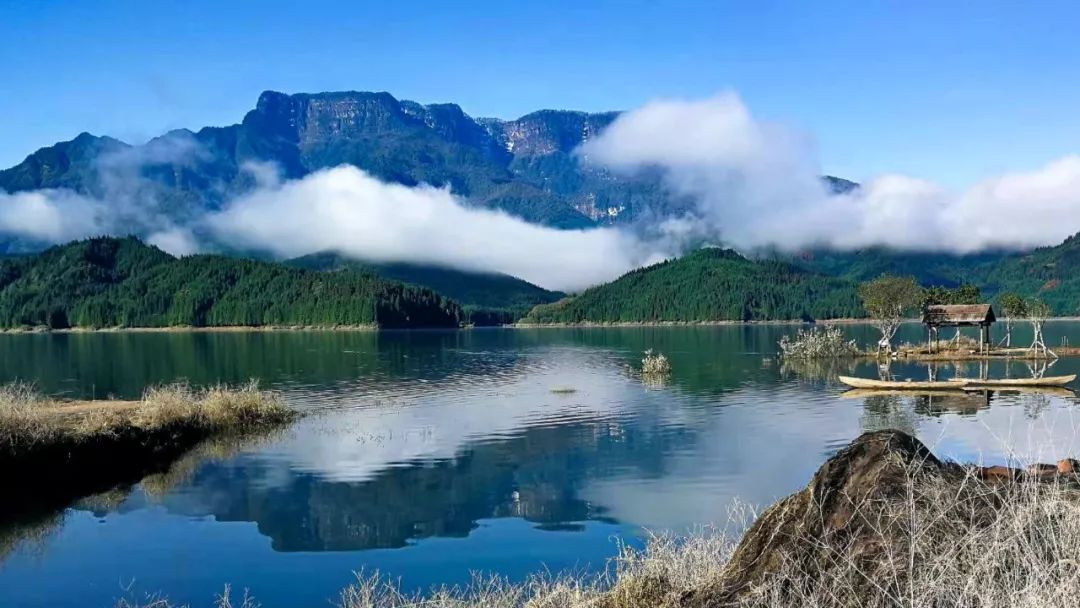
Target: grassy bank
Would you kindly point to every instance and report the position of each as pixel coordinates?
(53, 451)
(882, 524)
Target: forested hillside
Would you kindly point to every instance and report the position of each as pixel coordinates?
(708, 285)
(110, 282)
(487, 298)
(929, 268)
(1051, 274)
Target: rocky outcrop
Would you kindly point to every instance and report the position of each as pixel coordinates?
(858, 509)
(549, 131)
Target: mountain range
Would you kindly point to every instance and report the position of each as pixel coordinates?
(526, 167)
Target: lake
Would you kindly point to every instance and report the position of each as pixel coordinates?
(431, 455)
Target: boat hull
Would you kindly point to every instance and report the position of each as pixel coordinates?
(902, 385)
(1047, 381)
(912, 385)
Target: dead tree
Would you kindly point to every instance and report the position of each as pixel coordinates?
(1012, 307)
(1037, 313)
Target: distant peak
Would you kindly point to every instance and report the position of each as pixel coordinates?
(271, 99)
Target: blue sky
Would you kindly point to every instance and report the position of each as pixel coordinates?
(945, 91)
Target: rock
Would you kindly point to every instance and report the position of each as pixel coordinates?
(1068, 466)
(855, 512)
(875, 467)
(999, 473)
(1043, 470)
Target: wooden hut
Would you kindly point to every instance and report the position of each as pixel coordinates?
(936, 316)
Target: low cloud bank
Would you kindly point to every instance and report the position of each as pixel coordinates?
(52, 216)
(347, 210)
(758, 184)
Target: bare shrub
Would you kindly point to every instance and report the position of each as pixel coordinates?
(826, 342)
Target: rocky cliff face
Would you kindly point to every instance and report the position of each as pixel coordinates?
(548, 131)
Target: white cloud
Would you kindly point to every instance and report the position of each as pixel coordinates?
(176, 241)
(52, 216)
(347, 210)
(757, 184)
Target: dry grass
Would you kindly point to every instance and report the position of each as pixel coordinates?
(655, 576)
(215, 408)
(21, 422)
(225, 600)
(944, 543)
(29, 419)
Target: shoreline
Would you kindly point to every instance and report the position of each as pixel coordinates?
(53, 452)
(617, 324)
(838, 321)
(198, 329)
(517, 325)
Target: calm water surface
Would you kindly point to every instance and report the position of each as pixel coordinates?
(435, 454)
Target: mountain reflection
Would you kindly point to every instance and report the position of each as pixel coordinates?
(535, 476)
(425, 434)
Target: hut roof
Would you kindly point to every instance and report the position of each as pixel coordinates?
(958, 314)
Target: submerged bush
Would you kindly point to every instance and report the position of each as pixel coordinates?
(655, 364)
(818, 343)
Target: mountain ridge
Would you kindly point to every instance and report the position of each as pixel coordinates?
(490, 162)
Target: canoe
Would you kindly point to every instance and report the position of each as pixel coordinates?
(903, 385)
(961, 383)
(1047, 381)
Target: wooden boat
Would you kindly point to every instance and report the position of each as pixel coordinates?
(956, 384)
(862, 393)
(1003, 382)
(903, 385)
